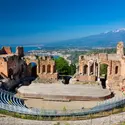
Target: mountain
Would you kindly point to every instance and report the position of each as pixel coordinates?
(106, 39)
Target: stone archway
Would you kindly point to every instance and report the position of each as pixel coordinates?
(85, 69)
(91, 69)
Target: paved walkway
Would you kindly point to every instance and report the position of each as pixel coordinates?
(110, 120)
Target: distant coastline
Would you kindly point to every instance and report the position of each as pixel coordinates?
(26, 49)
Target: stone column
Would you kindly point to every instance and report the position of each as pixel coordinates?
(88, 69)
(80, 68)
(98, 72)
(94, 72)
(77, 69)
(52, 69)
(46, 69)
(38, 67)
(41, 69)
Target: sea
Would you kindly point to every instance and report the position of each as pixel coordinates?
(28, 49)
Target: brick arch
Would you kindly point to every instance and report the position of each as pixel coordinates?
(28, 61)
(105, 62)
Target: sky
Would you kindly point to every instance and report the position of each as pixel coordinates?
(44, 21)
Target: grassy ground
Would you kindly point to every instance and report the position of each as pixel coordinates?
(72, 118)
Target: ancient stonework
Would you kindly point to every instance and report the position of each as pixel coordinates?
(11, 64)
(89, 68)
(15, 67)
(45, 67)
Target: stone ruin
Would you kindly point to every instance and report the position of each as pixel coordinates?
(89, 68)
(45, 68)
(12, 66)
(15, 66)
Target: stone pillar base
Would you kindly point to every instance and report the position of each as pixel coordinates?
(108, 86)
(98, 79)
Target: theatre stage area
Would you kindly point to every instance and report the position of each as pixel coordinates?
(61, 92)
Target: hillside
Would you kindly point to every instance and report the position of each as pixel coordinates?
(107, 39)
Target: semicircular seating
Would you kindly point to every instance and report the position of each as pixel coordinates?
(8, 98)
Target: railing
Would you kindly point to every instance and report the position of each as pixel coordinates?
(22, 109)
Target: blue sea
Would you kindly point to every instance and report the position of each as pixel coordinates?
(29, 48)
(26, 49)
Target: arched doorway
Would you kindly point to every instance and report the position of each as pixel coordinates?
(103, 74)
(33, 69)
(48, 68)
(85, 69)
(43, 69)
(116, 70)
(91, 69)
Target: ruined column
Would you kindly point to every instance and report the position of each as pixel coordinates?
(46, 69)
(80, 68)
(94, 72)
(52, 69)
(38, 67)
(120, 48)
(98, 72)
(41, 69)
(88, 69)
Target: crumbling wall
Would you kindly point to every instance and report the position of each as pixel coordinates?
(20, 51)
(3, 67)
(120, 49)
(45, 67)
(115, 70)
(5, 50)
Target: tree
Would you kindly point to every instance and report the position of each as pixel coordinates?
(72, 69)
(63, 67)
(103, 69)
